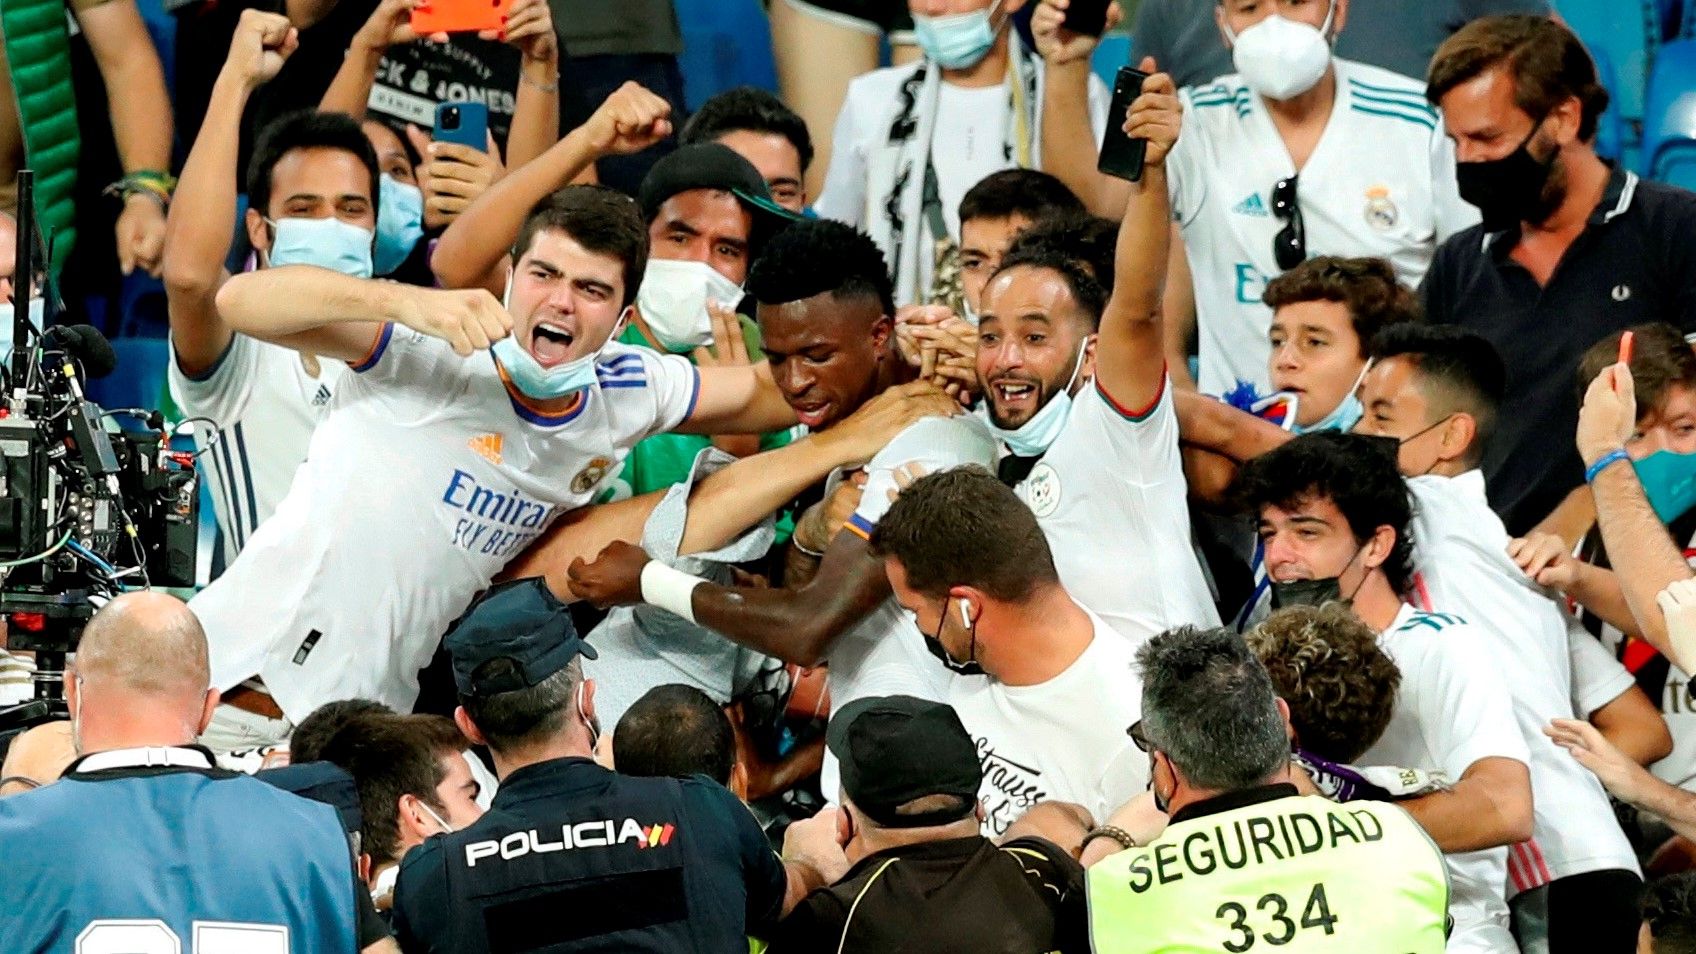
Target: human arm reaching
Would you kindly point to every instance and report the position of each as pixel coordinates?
(1623, 777)
(203, 214)
(1130, 357)
(472, 253)
(1069, 143)
(141, 123)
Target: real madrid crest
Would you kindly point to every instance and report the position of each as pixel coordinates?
(1381, 213)
(590, 475)
(1041, 490)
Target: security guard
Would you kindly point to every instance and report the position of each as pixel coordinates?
(570, 856)
(1246, 862)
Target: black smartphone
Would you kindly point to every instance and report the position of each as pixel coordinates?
(1121, 155)
(1087, 16)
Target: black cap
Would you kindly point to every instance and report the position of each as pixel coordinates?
(320, 782)
(712, 165)
(894, 749)
(523, 622)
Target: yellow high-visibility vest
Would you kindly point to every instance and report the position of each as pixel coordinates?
(1284, 875)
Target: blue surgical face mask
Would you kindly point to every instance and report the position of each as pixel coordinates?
(400, 223)
(531, 378)
(1035, 436)
(958, 41)
(327, 243)
(1669, 481)
(1344, 416)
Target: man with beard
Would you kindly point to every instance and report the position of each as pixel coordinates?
(1088, 425)
(1569, 250)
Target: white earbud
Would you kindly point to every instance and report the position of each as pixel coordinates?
(966, 614)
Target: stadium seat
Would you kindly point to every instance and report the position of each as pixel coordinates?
(1610, 126)
(139, 378)
(726, 43)
(1675, 164)
(1114, 52)
(1669, 117)
(1628, 32)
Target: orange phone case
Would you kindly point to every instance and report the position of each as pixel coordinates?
(459, 16)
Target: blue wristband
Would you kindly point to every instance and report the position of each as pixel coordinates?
(1603, 463)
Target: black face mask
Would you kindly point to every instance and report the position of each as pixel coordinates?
(1509, 190)
(1316, 592)
(933, 642)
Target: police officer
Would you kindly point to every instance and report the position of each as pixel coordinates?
(570, 856)
(1247, 862)
(144, 845)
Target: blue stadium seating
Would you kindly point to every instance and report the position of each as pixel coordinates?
(139, 378)
(1628, 33)
(726, 43)
(1114, 52)
(1669, 120)
(1610, 126)
(1676, 164)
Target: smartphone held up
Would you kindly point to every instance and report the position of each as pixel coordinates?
(1121, 155)
(459, 16)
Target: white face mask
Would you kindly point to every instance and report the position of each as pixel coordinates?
(541, 383)
(673, 298)
(1280, 58)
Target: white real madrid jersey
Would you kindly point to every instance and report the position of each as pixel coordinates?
(1110, 496)
(1452, 710)
(428, 476)
(263, 403)
(1462, 566)
(1381, 182)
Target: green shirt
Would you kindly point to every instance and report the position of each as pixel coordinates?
(665, 459)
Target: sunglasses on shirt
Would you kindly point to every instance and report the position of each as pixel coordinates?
(1289, 246)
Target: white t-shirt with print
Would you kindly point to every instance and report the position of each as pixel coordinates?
(264, 405)
(884, 654)
(1111, 498)
(1057, 741)
(1460, 551)
(1453, 709)
(1381, 182)
(428, 476)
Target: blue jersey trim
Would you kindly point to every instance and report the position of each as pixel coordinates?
(694, 393)
(381, 345)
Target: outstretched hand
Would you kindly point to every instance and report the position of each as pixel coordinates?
(614, 579)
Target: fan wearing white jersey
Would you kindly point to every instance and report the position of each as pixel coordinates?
(825, 306)
(466, 432)
(1333, 514)
(312, 199)
(1045, 688)
(1436, 389)
(1298, 153)
(1075, 386)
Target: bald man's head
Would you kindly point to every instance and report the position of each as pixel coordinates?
(147, 643)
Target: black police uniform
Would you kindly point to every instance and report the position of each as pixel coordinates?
(573, 857)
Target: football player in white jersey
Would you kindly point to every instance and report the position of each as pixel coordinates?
(467, 430)
(1333, 512)
(1436, 389)
(312, 193)
(1297, 153)
(825, 310)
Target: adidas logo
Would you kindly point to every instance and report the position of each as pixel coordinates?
(322, 397)
(1253, 205)
(488, 446)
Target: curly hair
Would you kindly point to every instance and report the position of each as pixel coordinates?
(1367, 287)
(1356, 472)
(1326, 664)
(814, 256)
(1087, 239)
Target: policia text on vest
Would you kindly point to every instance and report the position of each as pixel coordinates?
(1268, 869)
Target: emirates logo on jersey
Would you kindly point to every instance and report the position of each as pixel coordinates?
(488, 446)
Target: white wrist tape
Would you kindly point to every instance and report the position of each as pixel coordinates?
(670, 589)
